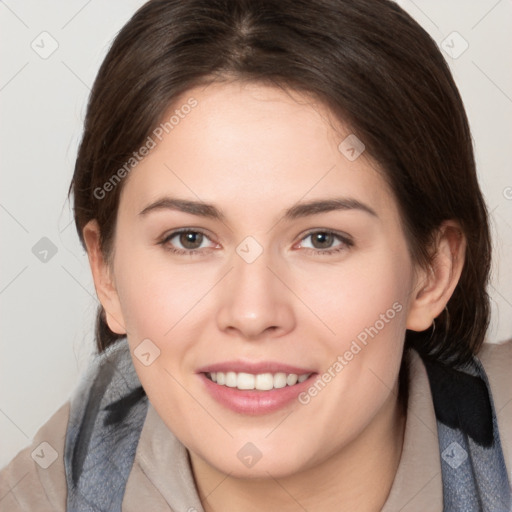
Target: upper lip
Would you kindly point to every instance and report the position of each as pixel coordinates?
(254, 368)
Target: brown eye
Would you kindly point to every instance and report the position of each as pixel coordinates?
(322, 240)
(191, 239)
(186, 241)
(326, 242)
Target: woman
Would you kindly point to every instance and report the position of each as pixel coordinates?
(287, 237)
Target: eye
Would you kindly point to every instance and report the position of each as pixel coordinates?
(185, 241)
(192, 241)
(326, 242)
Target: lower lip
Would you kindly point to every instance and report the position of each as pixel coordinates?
(254, 402)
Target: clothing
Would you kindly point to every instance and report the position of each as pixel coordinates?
(160, 478)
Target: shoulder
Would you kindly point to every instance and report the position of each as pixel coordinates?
(35, 479)
(496, 359)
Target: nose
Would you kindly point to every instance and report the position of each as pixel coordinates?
(254, 301)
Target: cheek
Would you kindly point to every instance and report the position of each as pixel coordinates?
(366, 292)
(154, 291)
(143, 302)
(365, 305)
(158, 301)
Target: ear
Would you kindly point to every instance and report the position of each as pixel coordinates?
(103, 279)
(435, 286)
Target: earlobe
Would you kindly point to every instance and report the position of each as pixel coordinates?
(436, 284)
(103, 278)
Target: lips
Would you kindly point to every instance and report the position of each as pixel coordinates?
(255, 388)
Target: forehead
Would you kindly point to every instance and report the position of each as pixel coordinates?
(255, 147)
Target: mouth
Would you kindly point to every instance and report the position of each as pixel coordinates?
(260, 381)
(255, 388)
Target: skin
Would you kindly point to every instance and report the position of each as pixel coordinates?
(254, 151)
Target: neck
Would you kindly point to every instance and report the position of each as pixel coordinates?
(357, 477)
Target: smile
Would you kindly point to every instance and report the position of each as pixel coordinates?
(255, 393)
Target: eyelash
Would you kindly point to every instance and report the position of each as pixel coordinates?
(346, 242)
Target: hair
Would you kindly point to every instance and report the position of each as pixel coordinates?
(368, 61)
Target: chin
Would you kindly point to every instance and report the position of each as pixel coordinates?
(250, 463)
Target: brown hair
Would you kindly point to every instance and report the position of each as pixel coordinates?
(367, 60)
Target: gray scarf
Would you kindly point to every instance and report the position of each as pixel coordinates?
(109, 407)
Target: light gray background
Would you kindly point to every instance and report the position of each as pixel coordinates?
(48, 307)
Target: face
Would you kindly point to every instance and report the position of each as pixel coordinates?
(251, 250)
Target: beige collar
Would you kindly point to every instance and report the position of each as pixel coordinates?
(418, 482)
(163, 460)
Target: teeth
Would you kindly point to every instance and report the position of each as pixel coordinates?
(261, 381)
(231, 380)
(264, 381)
(245, 381)
(280, 380)
(292, 379)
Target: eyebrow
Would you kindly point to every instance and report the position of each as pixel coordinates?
(296, 211)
